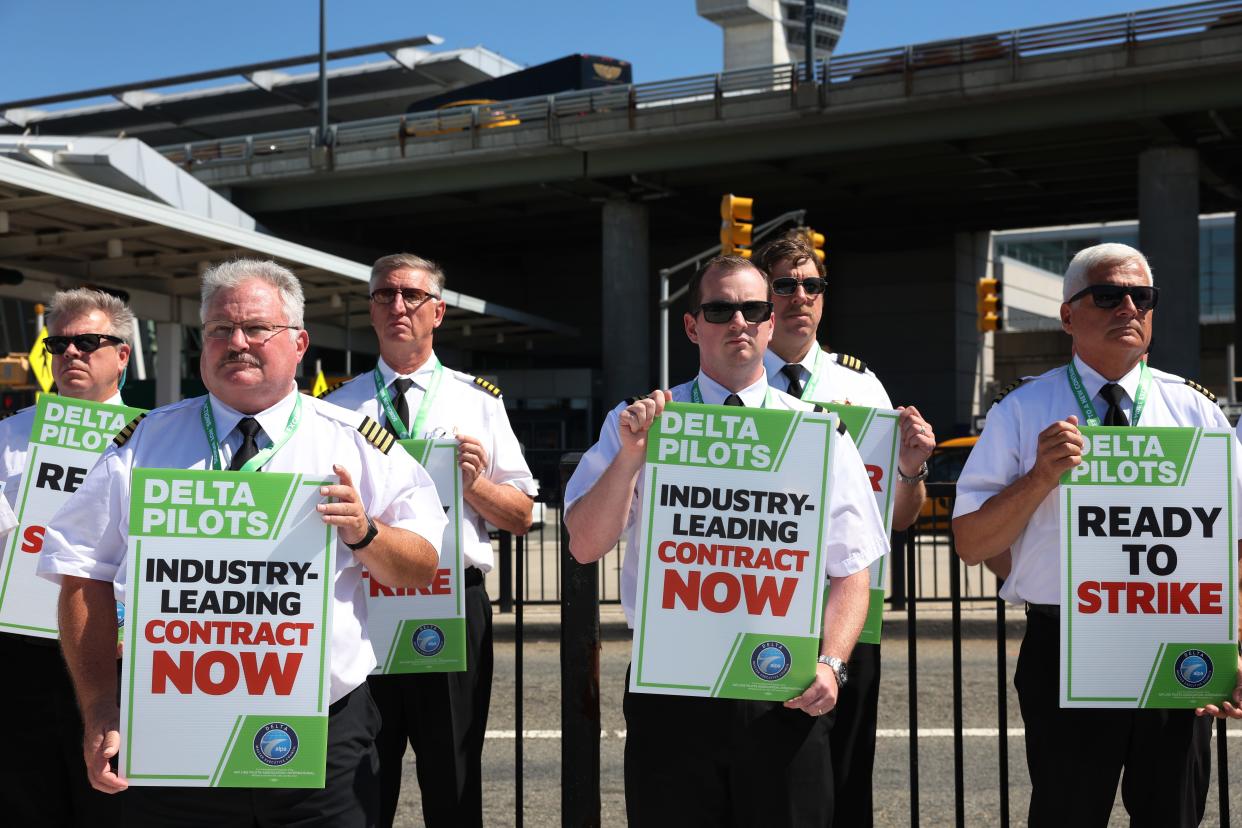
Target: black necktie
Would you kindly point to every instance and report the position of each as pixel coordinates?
(250, 429)
(1113, 394)
(794, 372)
(399, 386)
(734, 399)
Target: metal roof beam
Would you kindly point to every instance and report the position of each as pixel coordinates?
(50, 242)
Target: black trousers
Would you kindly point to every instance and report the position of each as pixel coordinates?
(853, 738)
(42, 766)
(722, 762)
(1076, 755)
(443, 717)
(349, 798)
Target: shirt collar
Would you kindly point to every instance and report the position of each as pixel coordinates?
(773, 363)
(115, 399)
(421, 376)
(752, 395)
(1093, 380)
(272, 420)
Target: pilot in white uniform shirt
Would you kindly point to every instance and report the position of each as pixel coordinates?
(460, 406)
(825, 379)
(89, 536)
(854, 530)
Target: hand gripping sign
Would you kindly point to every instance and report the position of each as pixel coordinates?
(66, 441)
(225, 676)
(875, 432)
(424, 630)
(1148, 550)
(731, 574)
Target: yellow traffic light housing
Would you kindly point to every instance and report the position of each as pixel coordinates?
(817, 243)
(736, 214)
(989, 304)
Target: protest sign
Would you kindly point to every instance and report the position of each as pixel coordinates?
(875, 432)
(66, 440)
(1148, 550)
(730, 579)
(424, 630)
(226, 671)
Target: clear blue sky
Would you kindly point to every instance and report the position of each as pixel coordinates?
(68, 45)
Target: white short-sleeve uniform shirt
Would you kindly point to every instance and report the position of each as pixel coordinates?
(460, 406)
(834, 383)
(855, 531)
(1007, 448)
(89, 536)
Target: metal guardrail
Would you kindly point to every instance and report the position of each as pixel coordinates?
(547, 110)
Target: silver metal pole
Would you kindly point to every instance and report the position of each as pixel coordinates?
(349, 334)
(323, 73)
(664, 329)
(809, 10)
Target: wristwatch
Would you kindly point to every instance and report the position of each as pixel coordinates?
(367, 538)
(838, 668)
(919, 476)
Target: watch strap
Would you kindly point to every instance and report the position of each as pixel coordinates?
(367, 538)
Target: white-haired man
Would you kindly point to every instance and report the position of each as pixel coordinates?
(385, 510)
(443, 716)
(1007, 499)
(45, 780)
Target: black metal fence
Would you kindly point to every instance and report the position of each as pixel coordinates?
(918, 558)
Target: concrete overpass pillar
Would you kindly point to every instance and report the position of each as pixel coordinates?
(167, 362)
(1169, 237)
(627, 298)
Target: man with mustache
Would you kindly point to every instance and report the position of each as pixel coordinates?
(796, 364)
(386, 512)
(443, 716)
(45, 780)
(707, 761)
(1007, 498)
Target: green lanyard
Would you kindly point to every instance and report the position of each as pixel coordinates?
(809, 388)
(696, 396)
(420, 419)
(209, 428)
(1084, 402)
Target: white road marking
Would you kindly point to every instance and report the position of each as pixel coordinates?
(886, 733)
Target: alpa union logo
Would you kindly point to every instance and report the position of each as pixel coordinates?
(428, 640)
(276, 743)
(1193, 669)
(770, 660)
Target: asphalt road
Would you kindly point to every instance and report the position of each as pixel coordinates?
(892, 781)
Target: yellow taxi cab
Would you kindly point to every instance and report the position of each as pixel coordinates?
(944, 466)
(456, 116)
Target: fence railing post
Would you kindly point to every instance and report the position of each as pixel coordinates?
(580, 649)
(959, 776)
(1222, 770)
(897, 570)
(912, 679)
(1002, 707)
(505, 567)
(519, 799)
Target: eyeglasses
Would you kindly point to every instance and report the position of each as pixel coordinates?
(1110, 296)
(788, 285)
(721, 312)
(259, 332)
(413, 297)
(85, 343)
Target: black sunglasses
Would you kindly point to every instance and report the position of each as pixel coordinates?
(411, 296)
(1110, 296)
(721, 312)
(85, 343)
(787, 285)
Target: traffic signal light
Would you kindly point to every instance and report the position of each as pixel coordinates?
(736, 213)
(817, 243)
(989, 304)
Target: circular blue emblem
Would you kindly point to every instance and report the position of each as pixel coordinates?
(120, 614)
(275, 744)
(1193, 669)
(771, 660)
(428, 640)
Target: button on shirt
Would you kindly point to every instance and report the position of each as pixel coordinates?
(89, 536)
(1007, 448)
(15, 446)
(854, 530)
(836, 383)
(459, 407)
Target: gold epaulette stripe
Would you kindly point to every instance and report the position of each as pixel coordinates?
(122, 436)
(851, 362)
(1201, 390)
(376, 435)
(1008, 388)
(487, 386)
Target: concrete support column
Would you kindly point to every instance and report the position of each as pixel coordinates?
(167, 362)
(973, 351)
(627, 299)
(1237, 301)
(1169, 237)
